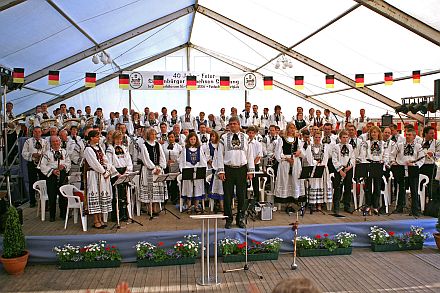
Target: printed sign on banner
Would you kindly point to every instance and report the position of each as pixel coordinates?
(174, 80)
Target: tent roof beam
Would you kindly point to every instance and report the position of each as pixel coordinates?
(300, 57)
(403, 19)
(109, 43)
(276, 83)
(109, 77)
(9, 4)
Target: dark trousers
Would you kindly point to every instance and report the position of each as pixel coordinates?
(413, 183)
(121, 190)
(235, 177)
(34, 175)
(173, 189)
(53, 184)
(372, 191)
(430, 171)
(256, 184)
(344, 189)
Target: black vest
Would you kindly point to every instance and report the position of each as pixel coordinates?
(153, 152)
(289, 148)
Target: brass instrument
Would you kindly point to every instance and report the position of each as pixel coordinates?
(70, 122)
(13, 125)
(45, 124)
(89, 121)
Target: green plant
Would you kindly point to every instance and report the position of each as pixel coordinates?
(230, 246)
(99, 251)
(14, 244)
(187, 248)
(341, 240)
(380, 236)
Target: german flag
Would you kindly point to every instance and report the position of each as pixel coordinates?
(268, 82)
(191, 82)
(359, 78)
(299, 82)
(388, 78)
(158, 82)
(416, 76)
(124, 81)
(18, 75)
(53, 77)
(329, 81)
(90, 79)
(224, 82)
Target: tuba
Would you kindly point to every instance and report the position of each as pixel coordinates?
(13, 125)
(45, 124)
(70, 122)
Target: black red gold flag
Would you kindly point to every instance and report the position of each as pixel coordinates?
(124, 81)
(191, 82)
(359, 78)
(224, 82)
(388, 78)
(18, 75)
(299, 82)
(268, 82)
(53, 77)
(158, 82)
(329, 81)
(416, 76)
(90, 79)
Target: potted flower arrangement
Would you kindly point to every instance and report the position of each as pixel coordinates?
(437, 235)
(15, 255)
(234, 250)
(94, 255)
(182, 252)
(382, 240)
(324, 245)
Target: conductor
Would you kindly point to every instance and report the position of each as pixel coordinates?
(236, 163)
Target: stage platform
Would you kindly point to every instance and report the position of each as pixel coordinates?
(43, 236)
(363, 271)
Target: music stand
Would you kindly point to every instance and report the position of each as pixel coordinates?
(163, 178)
(194, 174)
(308, 172)
(124, 178)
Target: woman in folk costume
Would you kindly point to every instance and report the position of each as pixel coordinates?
(119, 157)
(288, 153)
(373, 151)
(97, 170)
(320, 188)
(153, 163)
(215, 185)
(193, 156)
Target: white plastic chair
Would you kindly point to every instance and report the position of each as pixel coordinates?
(136, 187)
(261, 185)
(75, 179)
(271, 173)
(73, 202)
(179, 184)
(386, 193)
(211, 201)
(41, 190)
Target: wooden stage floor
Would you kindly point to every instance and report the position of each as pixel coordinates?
(33, 226)
(363, 271)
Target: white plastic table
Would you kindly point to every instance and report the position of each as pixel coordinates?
(208, 279)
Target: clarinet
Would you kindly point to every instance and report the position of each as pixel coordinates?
(342, 179)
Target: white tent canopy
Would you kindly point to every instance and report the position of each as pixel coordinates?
(344, 36)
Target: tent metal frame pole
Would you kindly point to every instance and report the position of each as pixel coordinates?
(403, 19)
(129, 101)
(314, 33)
(10, 3)
(109, 77)
(300, 57)
(109, 43)
(188, 69)
(377, 83)
(275, 83)
(80, 29)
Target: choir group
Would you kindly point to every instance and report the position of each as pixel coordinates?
(233, 148)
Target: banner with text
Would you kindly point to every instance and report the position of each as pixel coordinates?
(169, 80)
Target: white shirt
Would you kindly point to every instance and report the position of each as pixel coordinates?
(400, 156)
(257, 149)
(434, 147)
(29, 149)
(75, 149)
(340, 160)
(360, 122)
(109, 125)
(256, 121)
(204, 138)
(330, 119)
(264, 119)
(120, 160)
(237, 154)
(215, 124)
(376, 154)
(345, 121)
(145, 157)
(245, 119)
(188, 121)
(126, 119)
(269, 145)
(278, 120)
(172, 154)
(49, 163)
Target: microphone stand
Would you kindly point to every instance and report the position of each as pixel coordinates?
(246, 267)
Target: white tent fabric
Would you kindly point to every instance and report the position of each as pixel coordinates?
(362, 41)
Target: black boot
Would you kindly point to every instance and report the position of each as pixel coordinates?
(240, 220)
(228, 224)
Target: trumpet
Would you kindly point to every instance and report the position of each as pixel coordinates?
(13, 124)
